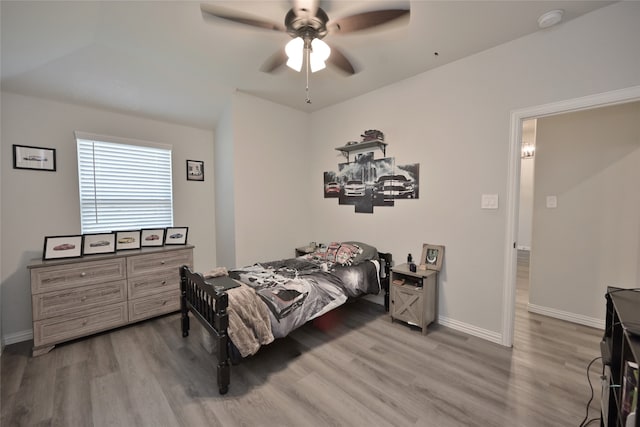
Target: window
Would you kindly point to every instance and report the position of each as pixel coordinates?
(124, 184)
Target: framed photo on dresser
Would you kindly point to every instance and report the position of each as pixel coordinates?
(56, 247)
(99, 243)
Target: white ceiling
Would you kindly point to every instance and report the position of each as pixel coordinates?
(165, 61)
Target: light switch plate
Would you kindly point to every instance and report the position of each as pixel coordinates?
(552, 202)
(489, 201)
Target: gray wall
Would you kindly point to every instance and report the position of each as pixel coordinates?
(590, 161)
(455, 122)
(36, 204)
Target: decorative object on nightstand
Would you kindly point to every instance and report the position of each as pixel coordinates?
(413, 296)
(432, 256)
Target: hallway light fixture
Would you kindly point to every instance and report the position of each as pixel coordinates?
(528, 151)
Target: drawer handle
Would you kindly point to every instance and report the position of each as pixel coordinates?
(164, 282)
(83, 274)
(162, 262)
(84, 323)
(83, 299)
(164, 302)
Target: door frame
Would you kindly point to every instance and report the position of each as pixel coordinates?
(604, 99)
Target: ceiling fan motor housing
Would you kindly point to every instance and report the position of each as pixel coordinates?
(305, 26)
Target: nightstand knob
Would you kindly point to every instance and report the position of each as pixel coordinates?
(83, 274)
(162, 262)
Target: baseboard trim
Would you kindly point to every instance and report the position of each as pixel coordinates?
(485, 334)
(568, 316)
(17, 337)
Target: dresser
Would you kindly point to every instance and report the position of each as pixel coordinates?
(73, 298)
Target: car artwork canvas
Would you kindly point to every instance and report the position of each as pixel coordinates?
(56, 247)
(176, 236)
(99, 243)
(152, 237)
(126, 240)
(367, 182)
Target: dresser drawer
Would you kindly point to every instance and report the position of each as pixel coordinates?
(158, 263)
(143, 308)
(77, 299)
(155, 283)
(65, 276)
(69, 326)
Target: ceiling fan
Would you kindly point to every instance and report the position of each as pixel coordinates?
(308, 24)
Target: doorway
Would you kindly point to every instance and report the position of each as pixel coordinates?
(513, 192)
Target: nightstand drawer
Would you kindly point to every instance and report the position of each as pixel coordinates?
(78, 299)
(143, 308)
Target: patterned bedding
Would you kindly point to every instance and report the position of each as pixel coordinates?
(300, 289)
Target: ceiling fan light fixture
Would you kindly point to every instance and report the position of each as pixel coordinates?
(320, 52)
(294, 50)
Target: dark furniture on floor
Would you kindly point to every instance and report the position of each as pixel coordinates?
(620, 344)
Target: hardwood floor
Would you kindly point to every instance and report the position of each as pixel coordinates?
(361, 371)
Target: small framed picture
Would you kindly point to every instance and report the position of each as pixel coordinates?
(127, 240)
(99, 243)
(432, 256)
(36, 158)
(152, 237)
(195, 170)
(56, 247)
(176, 236)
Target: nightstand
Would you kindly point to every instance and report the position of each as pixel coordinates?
(413, 296)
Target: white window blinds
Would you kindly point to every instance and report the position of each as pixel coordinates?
(123, 186)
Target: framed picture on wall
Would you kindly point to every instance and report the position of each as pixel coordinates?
(432, 256)
(152, 237)
(176, 236)
(99, 243)
(127, 240)
(195, 170)
(56, 247)
(35, 158)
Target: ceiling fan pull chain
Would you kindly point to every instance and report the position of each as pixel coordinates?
(306, 54)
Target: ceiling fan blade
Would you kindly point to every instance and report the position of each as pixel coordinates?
(340, 61)
(274, 62)
(362, 21)
(234, 16)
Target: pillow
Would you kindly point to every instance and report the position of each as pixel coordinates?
(368, 252)
(347, 253)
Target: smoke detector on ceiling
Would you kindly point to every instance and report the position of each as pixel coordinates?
(550, 18)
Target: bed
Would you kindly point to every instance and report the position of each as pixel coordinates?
(253, 305)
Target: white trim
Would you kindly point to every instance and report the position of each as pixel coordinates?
(614, 97)
(17, 337)
(565, 315)
(524, 248)
(107, 138)
(470, 329)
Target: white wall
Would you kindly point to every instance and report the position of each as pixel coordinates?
(454, 121)
(271, 181)
(36, 204)
(225, 184)
(589, 160)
